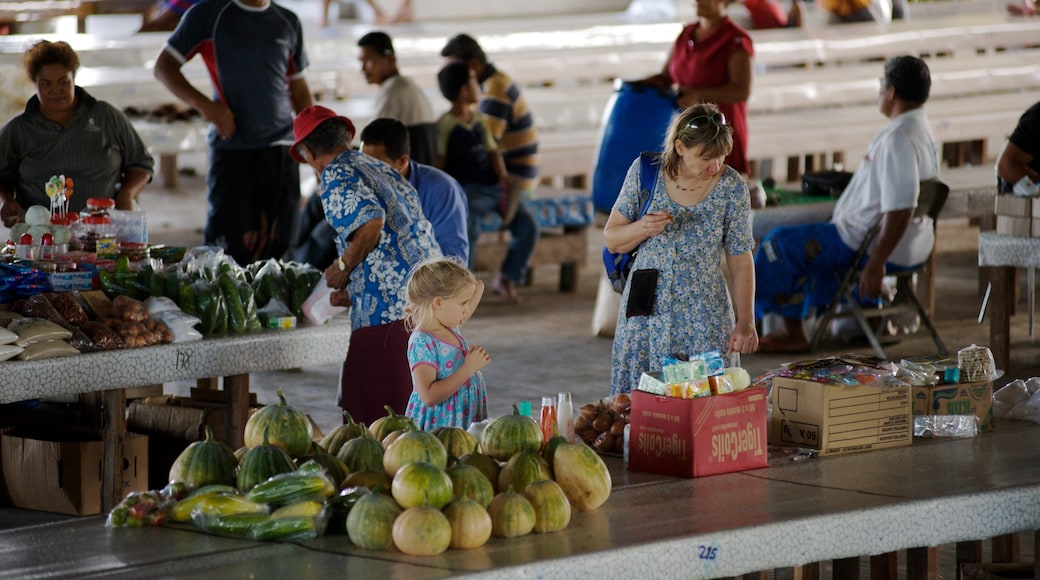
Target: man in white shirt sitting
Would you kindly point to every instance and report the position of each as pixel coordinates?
(795, 266)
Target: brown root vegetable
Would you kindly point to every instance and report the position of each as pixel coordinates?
(618, 428)
(604, 442)
(603, 421)
(622, 402)
(589, 411)
(581, 425)
(589, 437)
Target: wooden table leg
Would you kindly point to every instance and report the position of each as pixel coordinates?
(168, 170)
(884, 566)
(847, 568)
(1000, 304)
(113, 440)
(1006, 548)
(922, 563)
(805, 572)
(967, 553)
(1036, 554)
(236, 393)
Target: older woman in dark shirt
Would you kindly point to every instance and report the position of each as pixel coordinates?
(65, 131)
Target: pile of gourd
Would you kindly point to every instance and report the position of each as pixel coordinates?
(386, 485)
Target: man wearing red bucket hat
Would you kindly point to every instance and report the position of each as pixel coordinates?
(381, 234)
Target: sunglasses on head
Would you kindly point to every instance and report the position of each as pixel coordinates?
(718, 119)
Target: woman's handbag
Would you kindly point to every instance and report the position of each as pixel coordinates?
(619, 266)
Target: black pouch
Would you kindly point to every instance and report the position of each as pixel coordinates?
(828, 182)
(642, 293)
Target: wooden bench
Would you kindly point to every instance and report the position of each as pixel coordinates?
(19, 12)
(565, 242)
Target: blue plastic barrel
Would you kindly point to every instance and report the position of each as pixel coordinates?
(635, 120)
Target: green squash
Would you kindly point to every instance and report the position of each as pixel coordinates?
(522, 469)
(334, 466)
(341, 434)
(364, 453)
(488, 466)
(457, 441)
(468, 482)
(370, 523)
(384, 426)
(412, 446)
(511, 514)
(290, 429)
(262, 462)
(206, 462)
(507, 435)
(552, 509)
(422, 483)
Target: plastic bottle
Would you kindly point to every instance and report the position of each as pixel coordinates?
(24, 250)
(565, 416)
(548, 422)
(46, 247)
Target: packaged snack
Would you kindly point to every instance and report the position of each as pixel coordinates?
(30, 330)
(38, 307)
(8, 351)
(47, 349)
(976, 364)
(103, 337)
(68, 307)
(128, 308)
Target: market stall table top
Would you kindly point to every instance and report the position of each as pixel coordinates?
(931, 493)
(306, 345)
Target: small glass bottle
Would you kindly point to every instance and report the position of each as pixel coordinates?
(24, 250)
(565, 416)
(46, 247)
(548, 422)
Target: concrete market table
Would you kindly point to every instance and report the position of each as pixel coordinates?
(1000, 255)
(110, 373)
(790, 514)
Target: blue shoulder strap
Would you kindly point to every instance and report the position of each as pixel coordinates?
(648, 162)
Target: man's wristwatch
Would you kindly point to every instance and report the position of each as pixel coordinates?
(341, 264)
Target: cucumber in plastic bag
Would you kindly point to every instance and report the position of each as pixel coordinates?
(305, 484)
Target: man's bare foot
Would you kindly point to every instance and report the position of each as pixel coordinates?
(506, 289)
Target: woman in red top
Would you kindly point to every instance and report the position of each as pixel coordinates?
(711, 62)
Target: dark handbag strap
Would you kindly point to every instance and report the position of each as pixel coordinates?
(648, 162)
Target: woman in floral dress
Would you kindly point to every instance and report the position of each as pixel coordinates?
(699, 212)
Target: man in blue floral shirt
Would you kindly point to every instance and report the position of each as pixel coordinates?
(381, 235)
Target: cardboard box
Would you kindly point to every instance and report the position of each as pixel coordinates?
(60, 471)
(172, 423)
(698, 437)
(1014, 226)
(68, 281)
(1014, 206)
(837, 419)
(957, 399)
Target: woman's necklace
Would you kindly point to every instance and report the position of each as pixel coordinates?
(681, 188)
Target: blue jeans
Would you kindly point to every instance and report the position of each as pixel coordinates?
(485, 199)
(798, 270)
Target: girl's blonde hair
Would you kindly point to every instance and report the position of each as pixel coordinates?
(434, 278)
(701, 125)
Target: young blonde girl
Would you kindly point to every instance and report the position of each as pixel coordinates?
(447, 387)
